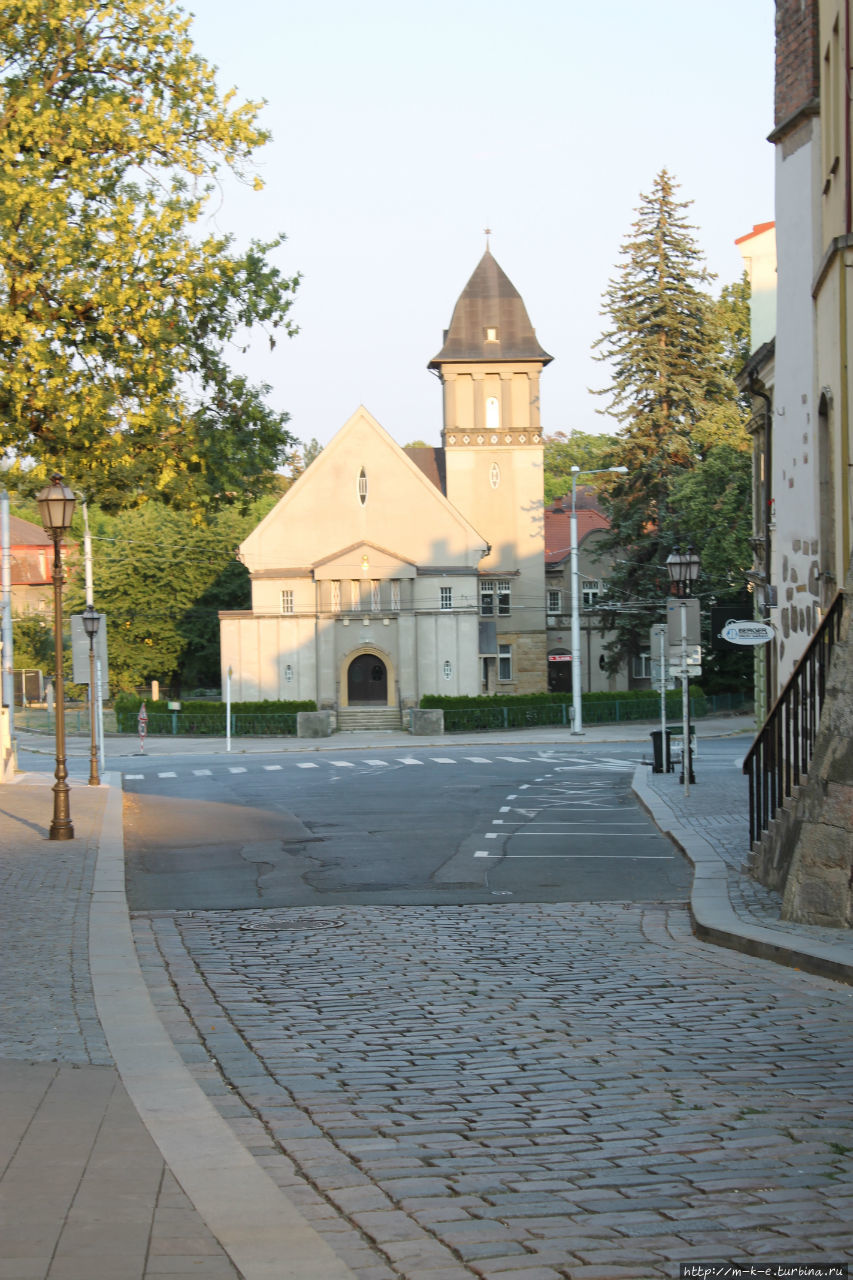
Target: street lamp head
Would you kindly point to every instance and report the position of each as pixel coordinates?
(91, 621)
(682, 567)
(619, 471)
(56, 505)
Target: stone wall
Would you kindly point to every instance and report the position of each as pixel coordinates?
(818, 889)
(797, 68)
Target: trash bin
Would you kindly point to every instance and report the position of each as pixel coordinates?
(658, 751)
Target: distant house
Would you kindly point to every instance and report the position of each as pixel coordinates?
(592, 578)
(32, 567)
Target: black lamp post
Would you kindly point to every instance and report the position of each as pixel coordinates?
(91, 622)
(56, 505)
(683, 570)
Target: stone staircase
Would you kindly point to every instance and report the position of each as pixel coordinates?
(366, 719)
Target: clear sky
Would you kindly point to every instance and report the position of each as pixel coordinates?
(402, 130)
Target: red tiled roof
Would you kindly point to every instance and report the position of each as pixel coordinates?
(558, 521)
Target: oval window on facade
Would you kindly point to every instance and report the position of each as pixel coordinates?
(362, 486)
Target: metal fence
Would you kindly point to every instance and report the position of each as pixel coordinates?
(615, 711)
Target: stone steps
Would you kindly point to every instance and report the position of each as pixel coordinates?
(361, 719)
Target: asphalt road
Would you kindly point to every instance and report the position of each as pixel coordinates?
(441, 826)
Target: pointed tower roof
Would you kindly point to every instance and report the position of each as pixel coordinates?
(490, 321)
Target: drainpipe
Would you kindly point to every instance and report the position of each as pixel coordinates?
(842, 305)
(761, 652)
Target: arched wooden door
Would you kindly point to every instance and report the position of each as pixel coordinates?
(367, 680)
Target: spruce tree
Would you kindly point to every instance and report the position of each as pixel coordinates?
(671, 392)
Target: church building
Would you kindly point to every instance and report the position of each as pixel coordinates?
(384, 573)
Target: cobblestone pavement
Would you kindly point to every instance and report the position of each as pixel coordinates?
(520, 1092)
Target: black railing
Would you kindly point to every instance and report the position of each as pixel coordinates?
(779, 757)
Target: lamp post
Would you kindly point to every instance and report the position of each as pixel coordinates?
(91, 622)
(683, 570)
(577, 686)
(56, 505)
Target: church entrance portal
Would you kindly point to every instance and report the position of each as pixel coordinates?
(367, 680)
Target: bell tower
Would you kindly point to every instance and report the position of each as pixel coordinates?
(489, 366)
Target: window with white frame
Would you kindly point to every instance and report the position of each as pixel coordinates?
(504, 661)
(641, 665)
(395, 593)
(354, 595)
(336, 596)
(446, 597)
(555, 599)
(375, 596)
(287, 601)
(591, 590)
(495, 597)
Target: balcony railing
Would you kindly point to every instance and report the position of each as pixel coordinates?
(780, 756)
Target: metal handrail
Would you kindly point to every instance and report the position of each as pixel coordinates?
(779, 757)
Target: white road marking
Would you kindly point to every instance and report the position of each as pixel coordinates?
(577, 857)
(478, 759)
(378, 764)
(408, 760)
(202, 773)
(167, 775)
(481, 853)
(236, 769)
(134, 777)
(492, 835)
(442, 760)
(515, 759)
(308, 765)
(342, 764)
(270, 767)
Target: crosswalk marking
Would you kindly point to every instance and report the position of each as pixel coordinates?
(546, 789)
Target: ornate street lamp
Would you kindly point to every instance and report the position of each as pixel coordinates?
(683, 570)
(56, 505)
(91, 622)
(577, 685)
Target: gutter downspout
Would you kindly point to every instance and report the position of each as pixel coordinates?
(761, 651)
(842, 304)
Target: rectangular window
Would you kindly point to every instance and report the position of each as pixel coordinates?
(504, 661)
(503, 587)
(395, 593)
(487, 598)
(446, 597)
(287, 602)
(336, 597)
(375, 597)
(554, 600)
(354, 595)
(641, 668)
(591, 591)
(495, 597)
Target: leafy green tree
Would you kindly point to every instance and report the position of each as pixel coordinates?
(117, 309)
(161, 577)
(577, 449)
(671, 351)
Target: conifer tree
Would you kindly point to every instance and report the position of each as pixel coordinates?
(673, 395)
